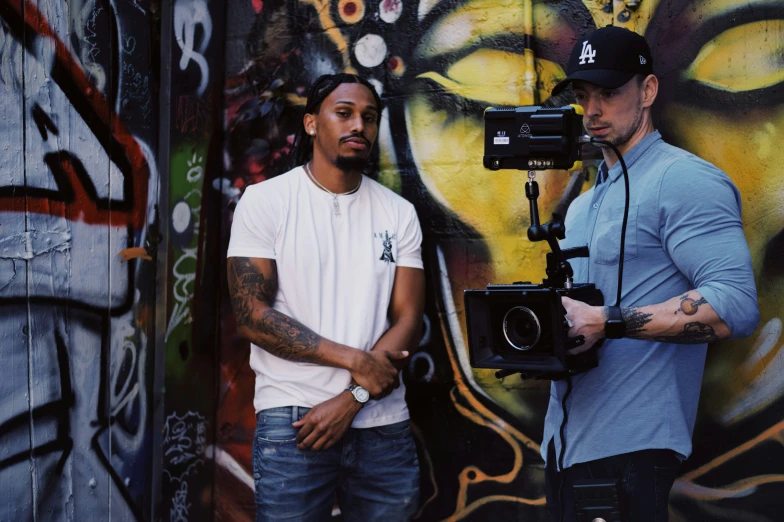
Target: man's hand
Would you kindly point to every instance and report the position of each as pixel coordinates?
(326, 423)
(587, 321)
(376, 372)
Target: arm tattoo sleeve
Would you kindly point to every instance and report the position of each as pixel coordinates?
(286, 338)
(693, 333)
(277, 333)
(635, 321)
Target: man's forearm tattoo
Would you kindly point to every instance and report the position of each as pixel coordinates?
(277, 333)
(693, 333)
(689, 306)
(635, 321)
(286, 338)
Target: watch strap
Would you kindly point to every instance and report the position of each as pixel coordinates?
(615, 325)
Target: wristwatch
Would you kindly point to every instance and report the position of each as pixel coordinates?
(361, 395)
(614, 326)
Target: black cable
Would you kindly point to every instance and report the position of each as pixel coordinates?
(563, 447)
(625, 213)
(617, 303)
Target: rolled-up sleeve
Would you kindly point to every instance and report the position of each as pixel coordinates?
(701, 230)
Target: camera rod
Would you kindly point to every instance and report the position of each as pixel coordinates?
(558, 269)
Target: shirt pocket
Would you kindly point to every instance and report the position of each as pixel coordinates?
(606, 246)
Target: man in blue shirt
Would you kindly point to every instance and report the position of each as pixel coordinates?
(687, 281)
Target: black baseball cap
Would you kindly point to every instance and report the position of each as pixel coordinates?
(608, 57)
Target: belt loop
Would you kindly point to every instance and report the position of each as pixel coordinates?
(294, 413)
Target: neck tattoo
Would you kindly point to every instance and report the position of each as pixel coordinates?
(335, 204)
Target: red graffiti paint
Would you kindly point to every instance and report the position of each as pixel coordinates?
(112, 133)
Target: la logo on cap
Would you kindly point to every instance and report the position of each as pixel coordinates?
(588, 53)
(643, 61)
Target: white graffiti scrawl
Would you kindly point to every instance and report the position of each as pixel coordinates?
(184, 443)
(180, 504)
(188, 14)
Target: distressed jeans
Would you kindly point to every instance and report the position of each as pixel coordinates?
(645, 478)
(375, 472)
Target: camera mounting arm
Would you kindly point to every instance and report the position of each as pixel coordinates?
(550, 231)
(558, 270)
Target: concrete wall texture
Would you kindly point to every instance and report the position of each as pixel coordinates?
(130, 128)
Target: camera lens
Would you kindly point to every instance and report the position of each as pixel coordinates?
(521, 328)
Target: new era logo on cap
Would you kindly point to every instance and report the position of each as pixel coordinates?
(608, 57)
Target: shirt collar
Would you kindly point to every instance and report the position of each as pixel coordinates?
(632, 155)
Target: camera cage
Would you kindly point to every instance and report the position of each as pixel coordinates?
(560, 149)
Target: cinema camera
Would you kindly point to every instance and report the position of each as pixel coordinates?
(521, 327)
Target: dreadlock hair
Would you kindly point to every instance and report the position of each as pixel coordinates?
(321, 88)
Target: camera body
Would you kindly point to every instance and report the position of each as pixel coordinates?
(521, 327)
(533, 138)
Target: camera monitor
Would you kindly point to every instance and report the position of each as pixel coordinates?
(533, 138)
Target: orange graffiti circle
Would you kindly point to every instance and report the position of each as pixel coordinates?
(396, 66)
(351, 11)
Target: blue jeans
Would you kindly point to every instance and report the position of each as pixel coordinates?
(645, 479)
(375, 472)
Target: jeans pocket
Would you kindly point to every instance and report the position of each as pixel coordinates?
(275, 429)
(663, 479)
(394, 431)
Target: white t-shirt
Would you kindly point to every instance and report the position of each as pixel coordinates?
(335, 276)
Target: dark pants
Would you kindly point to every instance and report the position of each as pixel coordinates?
(645, 477)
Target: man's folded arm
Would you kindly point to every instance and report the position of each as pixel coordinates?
(406, 308)
(253, 285)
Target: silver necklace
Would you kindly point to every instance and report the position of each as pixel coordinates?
(335, 204)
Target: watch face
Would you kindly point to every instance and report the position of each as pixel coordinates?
(361, 394)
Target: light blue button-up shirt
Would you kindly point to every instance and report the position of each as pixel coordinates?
(684, 232)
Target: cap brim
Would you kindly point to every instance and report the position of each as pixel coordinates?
(606, 78)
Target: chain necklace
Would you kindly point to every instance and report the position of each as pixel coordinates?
(335, 204)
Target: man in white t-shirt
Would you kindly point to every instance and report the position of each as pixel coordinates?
(326, 281)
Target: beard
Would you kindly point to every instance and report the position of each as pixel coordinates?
(351, 163)
(624, 135)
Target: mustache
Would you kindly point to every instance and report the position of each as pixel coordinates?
(355, 137)
(596, 123)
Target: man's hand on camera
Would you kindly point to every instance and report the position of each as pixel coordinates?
(376, 372)
(586, 320)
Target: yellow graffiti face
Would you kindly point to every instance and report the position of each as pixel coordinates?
(445, 128)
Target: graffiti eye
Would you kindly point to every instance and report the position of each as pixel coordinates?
(496, 77)
(757, 65)
(486, 75)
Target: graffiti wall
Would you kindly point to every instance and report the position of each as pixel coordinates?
(194, 47)
(438, 64)
(78, 182)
